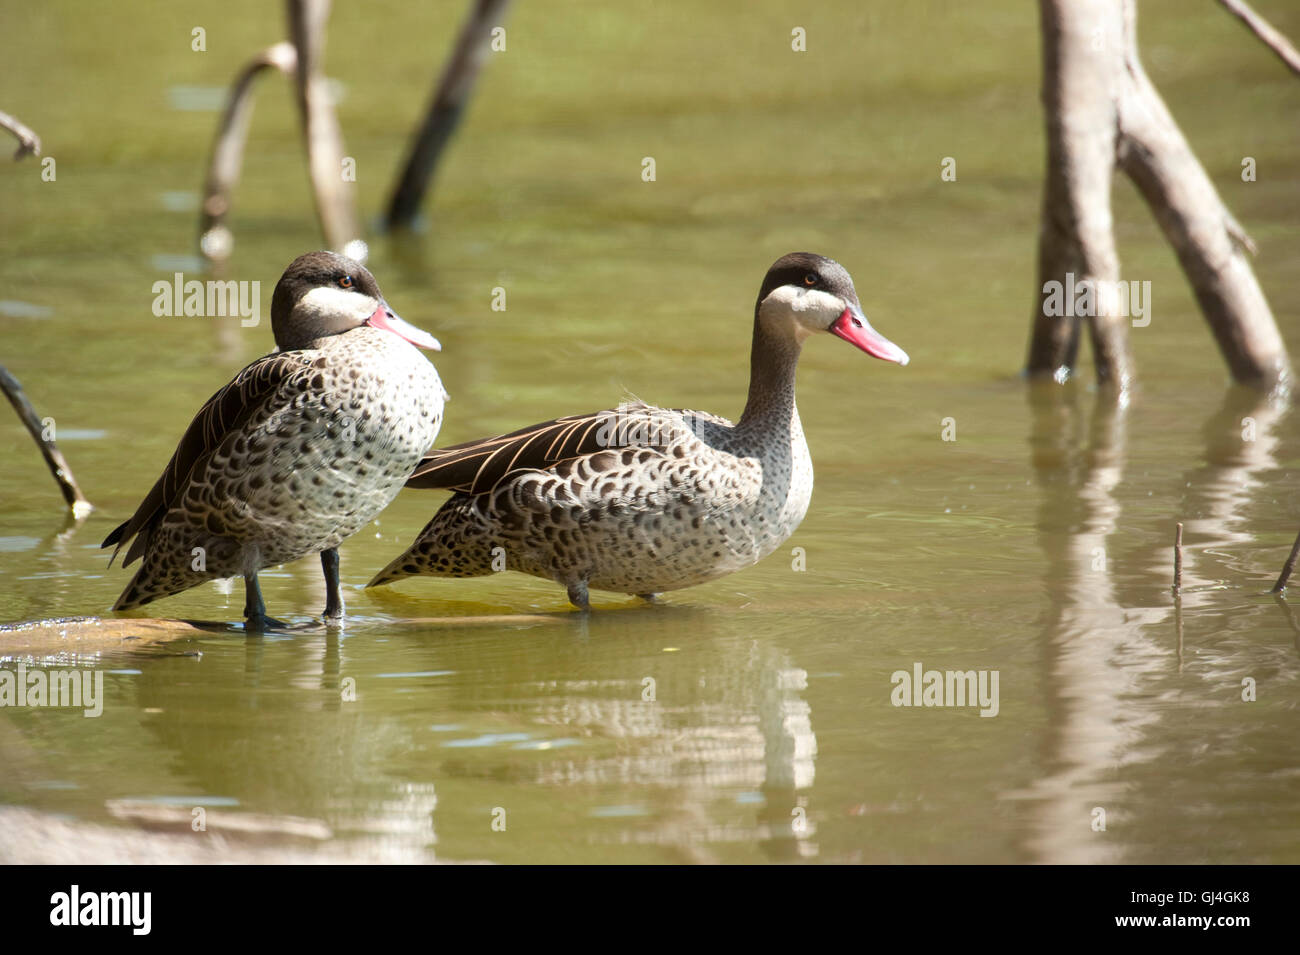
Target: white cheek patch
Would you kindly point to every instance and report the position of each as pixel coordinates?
(803, 311)
(336, 306)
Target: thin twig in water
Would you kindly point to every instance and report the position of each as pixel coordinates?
(28, 142)
(53, 456)
(1287, 568)
(1178, 559)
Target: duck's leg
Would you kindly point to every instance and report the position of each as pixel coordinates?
(650, 598)
(329, 562)
(255, 618)
(578, 595)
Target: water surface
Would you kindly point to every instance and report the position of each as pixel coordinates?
(750, 719)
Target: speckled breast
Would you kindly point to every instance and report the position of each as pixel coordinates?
(328, 455)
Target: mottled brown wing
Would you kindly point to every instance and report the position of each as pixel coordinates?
(224, 411)
(478, 466)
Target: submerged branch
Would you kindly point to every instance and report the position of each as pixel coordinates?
(322, 134)
(1178, 559)
(445, 110)
(28, 142)
(228, 149)
(1287, 568)
(53, 456)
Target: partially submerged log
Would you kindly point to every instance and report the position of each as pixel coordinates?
(90, 635)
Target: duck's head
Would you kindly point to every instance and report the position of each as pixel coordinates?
(323, 293)
(805, 293)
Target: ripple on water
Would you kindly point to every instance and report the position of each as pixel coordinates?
(413, 673)
(179, 201)
(619, 812)
(15, 544)
(196, 99)
(13, 308)
(488, 739)
(545, 744)
(165, 262)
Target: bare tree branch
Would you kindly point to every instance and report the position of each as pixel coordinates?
(228, 150)
(53, 456)
(445, 111)
(335, 206)
(1205, 236)
(1271, 37)
(1287, 568)
(28, 141)
(1178, 558)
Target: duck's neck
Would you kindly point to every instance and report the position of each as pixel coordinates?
(773, 360)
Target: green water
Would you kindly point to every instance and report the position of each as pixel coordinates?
(1037, 544)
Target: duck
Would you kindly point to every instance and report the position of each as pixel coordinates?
(303, 448)
(642, 499)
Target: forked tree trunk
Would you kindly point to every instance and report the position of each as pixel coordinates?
(1102, 112)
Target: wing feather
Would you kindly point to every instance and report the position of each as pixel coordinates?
(224, 412)
(478, 466)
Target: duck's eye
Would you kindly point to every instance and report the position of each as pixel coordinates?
(810, 279)
(345, 282)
